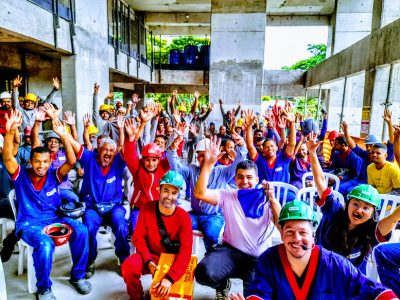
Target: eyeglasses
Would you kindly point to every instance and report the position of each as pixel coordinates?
(364, 208)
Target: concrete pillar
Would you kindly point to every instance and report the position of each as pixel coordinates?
(237, 53)
(352, 22)
(79, 72)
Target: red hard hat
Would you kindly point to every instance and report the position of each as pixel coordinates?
(27, 131)
(59, 233)
(151, 150)
(333, 135)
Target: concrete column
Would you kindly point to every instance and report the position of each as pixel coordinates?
(79, 72)
(352, 23)
(237, 53)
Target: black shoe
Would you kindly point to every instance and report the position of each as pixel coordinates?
(81, 285)
(223, 294)
(46, 295)
(8, 246)
(89, 271)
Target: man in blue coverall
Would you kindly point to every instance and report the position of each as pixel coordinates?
(38, 202)
(298, 269)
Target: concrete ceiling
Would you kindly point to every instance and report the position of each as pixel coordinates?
(274, 7)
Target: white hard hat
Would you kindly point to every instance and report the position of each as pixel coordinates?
(5, 95)
(201, 145)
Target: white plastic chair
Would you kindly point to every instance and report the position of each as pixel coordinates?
(282, 187)
(197, 235)
(3, 291)
(308, 194)
(3, 228)
(327, 177)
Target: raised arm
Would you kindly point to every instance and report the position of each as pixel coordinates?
(238, 109)
(396, 144)
(173, 100)
(249, 120)
(121, 135)
(289, 117)
(95, 113)
(195, 103)
(69, 118)
(210, 158)
(13, 122)
(349, 139)
(86, 139)
(387, 224)
(209, 110)
(269, 191)
(318, 174)
(65, 138)
(298, 145)
(56, 87)
(221, 108)
(387, 116)
(17, 82)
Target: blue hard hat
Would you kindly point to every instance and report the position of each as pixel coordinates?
(371, 139)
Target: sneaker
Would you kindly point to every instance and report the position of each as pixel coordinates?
(89, 271)
(81, 285)
(223, 294)
(46, 295)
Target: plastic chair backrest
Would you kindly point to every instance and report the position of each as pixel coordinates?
(11, 197)
(282, 187)
(327, 177)
(389, 204)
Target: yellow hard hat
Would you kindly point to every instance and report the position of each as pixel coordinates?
(104, 107)
(31, 97)
(239, 122)
(182, 108)
(93, 130)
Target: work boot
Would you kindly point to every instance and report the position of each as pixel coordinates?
(223, 294)
(81, 285)
(90, 271)
(8, 246)
(46, 295)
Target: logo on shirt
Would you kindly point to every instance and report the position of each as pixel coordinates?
(51, 193)
(278, 169)
(354, 255)
(61, 158)
(109, 180)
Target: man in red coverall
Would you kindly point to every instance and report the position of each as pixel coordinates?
(150, 244)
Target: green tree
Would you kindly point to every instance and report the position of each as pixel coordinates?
(184, 99)
(318, 52)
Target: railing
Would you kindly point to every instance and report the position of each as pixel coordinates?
(63, 8)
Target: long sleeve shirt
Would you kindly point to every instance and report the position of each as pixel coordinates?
(147, 239)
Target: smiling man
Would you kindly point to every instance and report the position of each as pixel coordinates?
(162, 227)
(298, 269)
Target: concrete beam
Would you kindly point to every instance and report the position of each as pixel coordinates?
(181, 88)
(181, 77)
(292, 20)
(283, 77)
(180, 30)
(378, 48)
(186, 19)
(283, 90)
(240, 7)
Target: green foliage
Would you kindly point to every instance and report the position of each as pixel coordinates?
(318, 52)
(312, 106)
(184, 99)
(162, 47)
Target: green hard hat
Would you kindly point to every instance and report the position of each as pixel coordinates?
(172, 178)
(297, 210)
(366, 193)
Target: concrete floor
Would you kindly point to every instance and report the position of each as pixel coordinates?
(106, 283)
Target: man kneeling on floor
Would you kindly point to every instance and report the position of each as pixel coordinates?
(162, 227)
(38, 202)
(248, 214)
(298, 269)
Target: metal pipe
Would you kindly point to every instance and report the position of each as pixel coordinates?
(387, 102)
(72, 26)
(319, 102)
(343, 100)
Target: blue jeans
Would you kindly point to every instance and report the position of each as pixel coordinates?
(133, 219)
(387, 257)
(68, 196)
(116, 219)
(210, 226)
(226, 262)
(43, 248)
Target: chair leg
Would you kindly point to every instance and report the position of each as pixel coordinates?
(31, 272)
(21, 249)
(3, 231)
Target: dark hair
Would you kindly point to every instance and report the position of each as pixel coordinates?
(40, 150)
(269, 140)
(344, 240)
(259, 139)
(258, 130)
(224, 141)
(102, 136)
(380, 146)
(246, 165)
(161, 136)
(341, 140)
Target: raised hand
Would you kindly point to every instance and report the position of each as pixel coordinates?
(281, 122)
(59, 128)
(96, 88)
(180, 128)
(51, 112)
(212, 151)
(396, 130)
(288, 114)
(174, 93)
(311, 143)
(249, 117)
(193, 129)
(211, 106)
(17, 82)
(196, 94)
(131, 127)
(56, 83)
(237, 138)
(40, 115)
(120, 122)
(387, 115)
(220, 101)
(69, 118)
(87, 120)
(146, 115)
(135, 98)
(268, 189)
(169, 100)
(344, 127)
(13, 121)
(110, 95)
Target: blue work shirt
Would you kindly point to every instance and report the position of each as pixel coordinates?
(353, 163)
(277, 171)
(219, 178)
